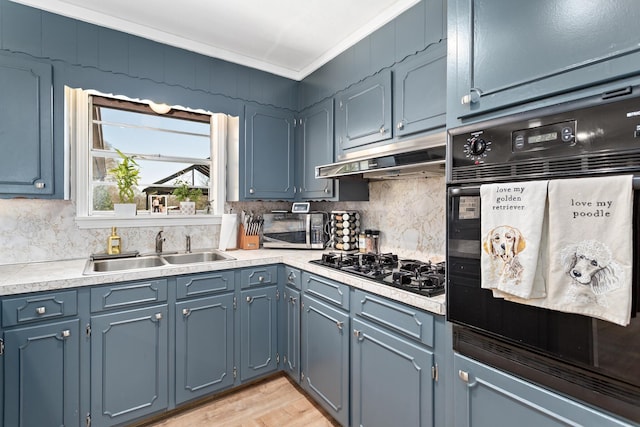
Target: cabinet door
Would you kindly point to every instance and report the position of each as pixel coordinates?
(204, 346)
(484, 396)
(42, 375)
(391, 379)
(420, 91)
(258, 332)
(363, 114)
(129, 365)
(26, 136)
(315, 148)
(269, 153)
(540, 58)
(325, 357)
(291, 348)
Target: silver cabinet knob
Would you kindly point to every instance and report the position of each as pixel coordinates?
(41, 310)
(66, 333)
(473, 96)
(249, 300)
(39, 185)
(382, 129)
(400, 125)
(251, 191)
(158, 316)
(260, 279)
(339, 325)
(464, 376)
(186, 312)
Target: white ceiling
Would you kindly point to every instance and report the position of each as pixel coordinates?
(291, 38)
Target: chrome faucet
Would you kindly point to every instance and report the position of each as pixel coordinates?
(188, 244)
(159, 240)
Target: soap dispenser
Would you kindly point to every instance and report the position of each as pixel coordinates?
(114, 243)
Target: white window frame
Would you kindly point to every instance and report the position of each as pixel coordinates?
(77, 137)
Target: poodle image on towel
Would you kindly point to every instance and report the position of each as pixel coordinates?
(592, 270)
(503, 244)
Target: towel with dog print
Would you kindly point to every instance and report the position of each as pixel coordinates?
(590, 247)
(511, 226)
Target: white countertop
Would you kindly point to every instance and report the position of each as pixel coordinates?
(45, 276)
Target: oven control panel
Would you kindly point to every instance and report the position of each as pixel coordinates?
(574, 138)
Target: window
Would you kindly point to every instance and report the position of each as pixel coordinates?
(170, 150)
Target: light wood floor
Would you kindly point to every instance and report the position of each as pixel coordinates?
(272, 402)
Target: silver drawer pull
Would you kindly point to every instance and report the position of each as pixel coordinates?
(260, 279)
(66, 333)
(158, 316)
(41, 310)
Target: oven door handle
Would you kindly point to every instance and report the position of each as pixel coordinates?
(465, 191)
(475, 189)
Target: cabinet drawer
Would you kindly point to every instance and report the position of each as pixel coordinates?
(39, 307)
(259, 276)
(203, 284)
(292, 276)
(326, 289)
(400, 318)
(128, 294)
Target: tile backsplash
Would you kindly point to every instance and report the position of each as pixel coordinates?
(409, 213)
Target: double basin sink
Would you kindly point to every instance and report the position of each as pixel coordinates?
(95, 266)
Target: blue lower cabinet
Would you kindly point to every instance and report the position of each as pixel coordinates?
(204, 346)
(258, 332)
(484, 396)
(129, 365)
(291, 333)
(42, 375)
(391, 379)
(325, 356)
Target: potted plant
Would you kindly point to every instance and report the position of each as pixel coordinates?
(187, 197)
(127, 175)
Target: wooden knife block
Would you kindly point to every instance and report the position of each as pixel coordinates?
(248, 242)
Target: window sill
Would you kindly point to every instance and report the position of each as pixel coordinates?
(146, 221)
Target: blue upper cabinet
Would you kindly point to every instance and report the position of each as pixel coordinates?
(269, 153)
(363, 114)
(505, 53)
(314, 148)
(419, 91)
(26, 164)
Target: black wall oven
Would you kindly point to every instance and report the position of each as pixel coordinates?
(595, 361)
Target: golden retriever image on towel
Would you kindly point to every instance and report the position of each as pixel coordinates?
(503, 244)
(592, 270)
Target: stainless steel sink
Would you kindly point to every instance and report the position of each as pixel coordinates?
(96, 266)
(137, 263)
(196, 257)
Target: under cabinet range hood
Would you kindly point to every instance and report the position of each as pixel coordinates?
(420, 157)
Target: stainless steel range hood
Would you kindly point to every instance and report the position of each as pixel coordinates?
(423, 156)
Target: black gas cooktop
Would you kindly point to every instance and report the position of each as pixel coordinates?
(420, 277)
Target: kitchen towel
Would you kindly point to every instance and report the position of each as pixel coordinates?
(511, 229)
(228, 232)
(590, 247)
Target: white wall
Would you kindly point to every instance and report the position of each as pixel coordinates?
(409, 213)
